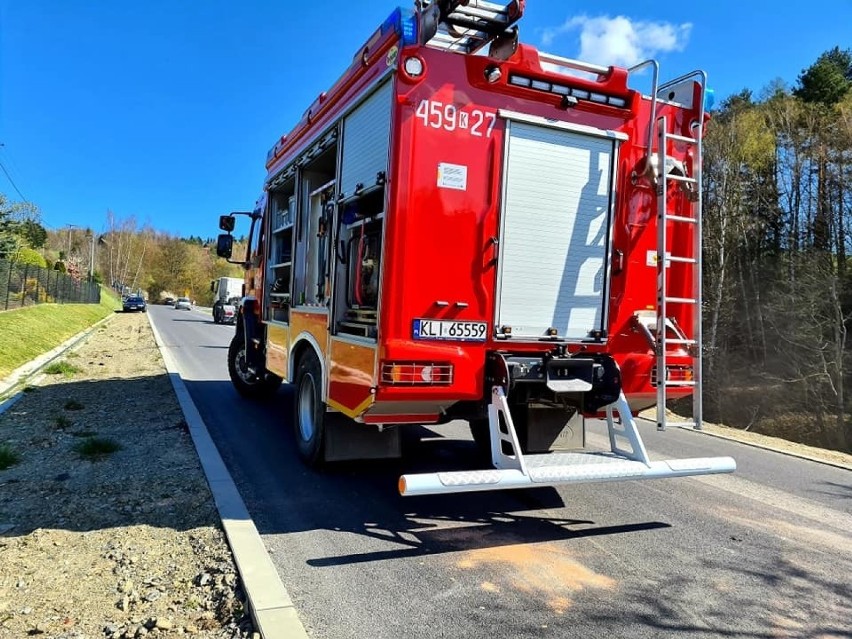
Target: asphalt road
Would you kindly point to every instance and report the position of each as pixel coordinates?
(765, 552)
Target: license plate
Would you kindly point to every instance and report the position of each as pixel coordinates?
(450, 330)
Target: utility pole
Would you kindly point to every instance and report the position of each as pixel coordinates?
(68, 254)
(95, 243)
(91, 256)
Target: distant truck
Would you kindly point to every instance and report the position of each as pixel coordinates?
(227, 293)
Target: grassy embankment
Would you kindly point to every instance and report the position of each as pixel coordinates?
(28, 332)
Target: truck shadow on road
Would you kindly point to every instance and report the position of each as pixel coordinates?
(284, 496)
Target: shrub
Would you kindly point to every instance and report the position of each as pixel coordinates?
(94, 448)
(8, 457)
(61, 368)
(30, 256)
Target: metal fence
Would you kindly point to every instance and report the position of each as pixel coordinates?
(25, 285)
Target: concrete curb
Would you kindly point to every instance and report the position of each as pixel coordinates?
(271, 607)
(20, 375)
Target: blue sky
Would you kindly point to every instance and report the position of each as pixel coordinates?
(164, 110)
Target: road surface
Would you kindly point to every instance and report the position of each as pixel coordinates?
(765, 552)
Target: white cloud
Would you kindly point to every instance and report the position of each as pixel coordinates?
(620, 41)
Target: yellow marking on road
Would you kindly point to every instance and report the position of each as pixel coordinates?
(542, 570)
(488, 586)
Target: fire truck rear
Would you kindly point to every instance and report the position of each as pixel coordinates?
(464, 227)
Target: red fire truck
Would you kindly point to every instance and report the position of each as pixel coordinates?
(463, 227)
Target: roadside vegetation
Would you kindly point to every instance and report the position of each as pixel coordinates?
(29, 332)
(8, 457)
(96, 448)
(777, 265)
(61, 368)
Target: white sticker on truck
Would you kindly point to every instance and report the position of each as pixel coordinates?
(452, 176)
(651, 258)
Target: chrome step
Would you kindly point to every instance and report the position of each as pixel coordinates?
(558, 469)
(627, 458)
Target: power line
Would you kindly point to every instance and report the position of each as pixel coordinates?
(12, 182)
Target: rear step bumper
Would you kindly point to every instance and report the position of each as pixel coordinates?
(561, 468)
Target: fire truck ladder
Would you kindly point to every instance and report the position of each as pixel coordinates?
(669, 335)
(468, 25)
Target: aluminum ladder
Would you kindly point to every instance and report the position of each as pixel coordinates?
(668, 332)
(466, 26)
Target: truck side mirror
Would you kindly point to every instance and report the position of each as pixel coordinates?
(225, 243)
(226, 223)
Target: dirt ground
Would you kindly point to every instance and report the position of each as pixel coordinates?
(107, 525)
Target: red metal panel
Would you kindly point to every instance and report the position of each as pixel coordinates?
(440, 244)
(444, 193)
(351, 368)
(277, 349)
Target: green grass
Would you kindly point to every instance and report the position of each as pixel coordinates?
(8, 457)
(29, 332)
(61, 368)
(94, 448)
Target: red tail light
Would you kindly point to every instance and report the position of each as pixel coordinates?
(417, 373)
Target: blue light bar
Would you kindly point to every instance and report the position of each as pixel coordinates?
(709, 99)
(404, 23)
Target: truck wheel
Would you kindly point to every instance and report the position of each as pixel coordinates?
(309, 413)
(481, 433)
(247, 383)
(215, 316)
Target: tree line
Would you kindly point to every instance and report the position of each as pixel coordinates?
(125, 256)
(777, 280)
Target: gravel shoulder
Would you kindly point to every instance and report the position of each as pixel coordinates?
(115, 544)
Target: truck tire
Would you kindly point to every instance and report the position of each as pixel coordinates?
(309, 411)
(248, 384)
(481, 433)
(216, 319)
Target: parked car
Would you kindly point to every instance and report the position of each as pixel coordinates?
(134, 303)
(183, 303)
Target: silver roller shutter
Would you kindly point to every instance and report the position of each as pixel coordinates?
(365, 140)
(555, 232)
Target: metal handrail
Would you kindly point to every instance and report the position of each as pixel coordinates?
(654, 89)
(577, 65)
